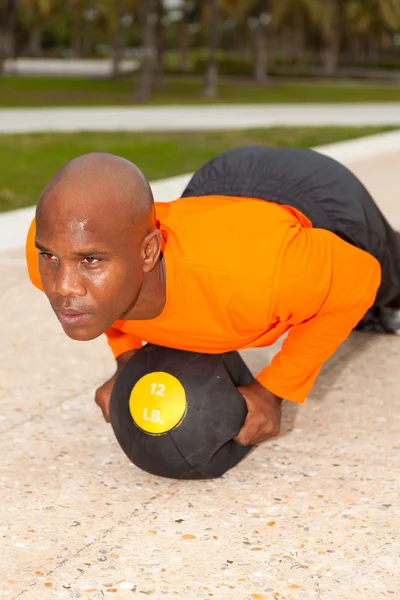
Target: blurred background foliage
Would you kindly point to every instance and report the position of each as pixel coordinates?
(241, 39)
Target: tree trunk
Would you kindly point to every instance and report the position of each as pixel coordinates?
(88, 28)
(211, 74)
(159, 43)
(7, 20)
(357, 50)
(148, 51)
(272, 49)
(35, 40)
(76, 42)
(243, 47)
(118, 39)
(286, 50)
(183, 51)
(331, 52)
(299, 42)
(373, 50)
(330, 55)
(76, 33)
(260, 54)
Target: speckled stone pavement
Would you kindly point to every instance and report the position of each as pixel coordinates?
(311, 515)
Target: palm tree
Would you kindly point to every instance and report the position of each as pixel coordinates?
(278, 15)
(211, 74)
(184, 37)
(332, 24)
(76, 10)
(36, 12)
(253, 14)
(368, 22)
(90, 14)
(7, 20)
(290, 19)
(148, 17)
(366, 17)
(118, 38)
(160, 46)
(260, 51)
(116, 17)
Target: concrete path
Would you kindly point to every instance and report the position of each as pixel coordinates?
(185, 118)
(66, 67)
(312, 515)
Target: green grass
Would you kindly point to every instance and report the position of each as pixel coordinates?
(25, 91)
(28, 161)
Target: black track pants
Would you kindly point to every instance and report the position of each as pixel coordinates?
(325, 191)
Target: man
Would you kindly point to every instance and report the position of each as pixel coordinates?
(263, 241)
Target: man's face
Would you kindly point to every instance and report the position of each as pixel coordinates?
(90, 268)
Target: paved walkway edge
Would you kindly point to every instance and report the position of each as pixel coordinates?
(193, 118)
(14, 224)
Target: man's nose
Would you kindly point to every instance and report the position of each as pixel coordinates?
(68, 281)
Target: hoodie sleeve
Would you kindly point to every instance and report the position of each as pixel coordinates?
(121, 342)
(324, 287)
(32, 257)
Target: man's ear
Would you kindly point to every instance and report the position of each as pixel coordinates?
(151, 248)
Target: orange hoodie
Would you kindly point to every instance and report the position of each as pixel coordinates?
(240, 273)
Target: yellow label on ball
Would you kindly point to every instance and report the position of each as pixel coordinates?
(157, 402)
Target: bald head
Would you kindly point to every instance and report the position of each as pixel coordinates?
(99, 184)
(99, 244)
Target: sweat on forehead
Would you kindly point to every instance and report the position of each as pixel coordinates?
(98, 183)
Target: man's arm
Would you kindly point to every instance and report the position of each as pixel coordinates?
(324, 288)
(103, 393)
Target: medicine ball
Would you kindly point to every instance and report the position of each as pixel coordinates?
(174, 413)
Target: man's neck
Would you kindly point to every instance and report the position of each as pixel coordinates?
(152, 296)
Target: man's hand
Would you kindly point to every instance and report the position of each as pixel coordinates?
(103, 393)
(103, 396)
(264, 415)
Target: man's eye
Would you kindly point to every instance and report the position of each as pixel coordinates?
(90, 260)
(47, 255)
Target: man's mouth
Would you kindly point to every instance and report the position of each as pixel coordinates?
(70, 317)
